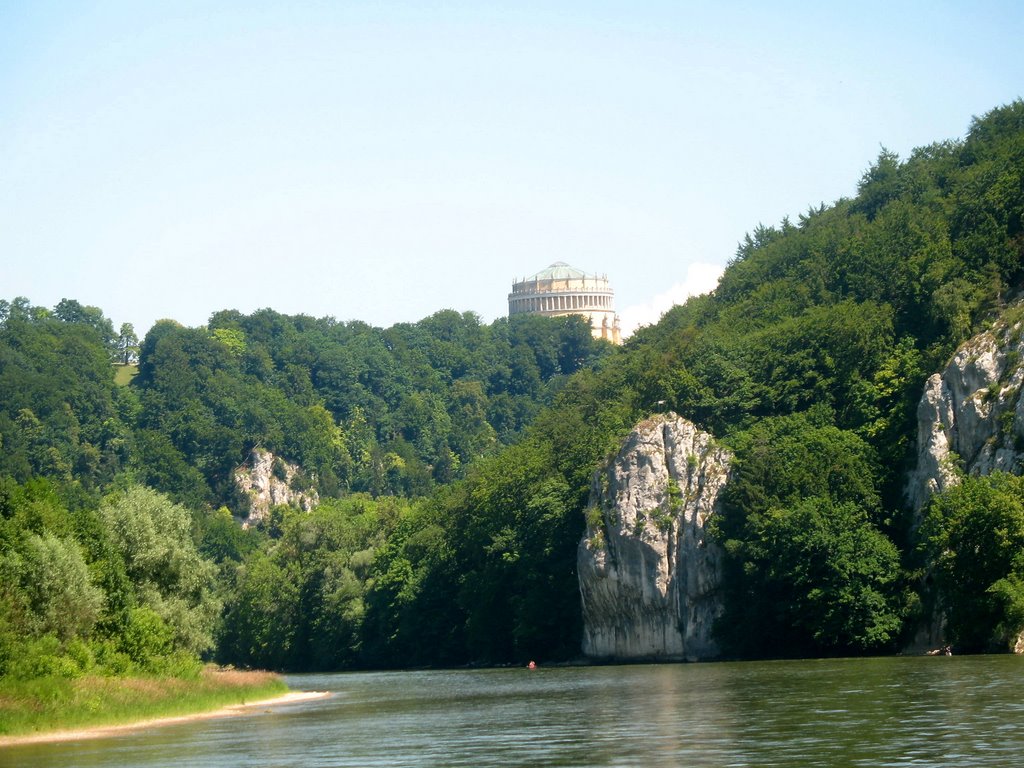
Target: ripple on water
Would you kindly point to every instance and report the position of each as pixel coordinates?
(865, 712)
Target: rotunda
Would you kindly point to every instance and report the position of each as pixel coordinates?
(562, 290)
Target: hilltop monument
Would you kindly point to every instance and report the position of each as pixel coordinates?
(563, 290)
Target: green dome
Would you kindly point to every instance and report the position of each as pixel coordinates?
(559, 271)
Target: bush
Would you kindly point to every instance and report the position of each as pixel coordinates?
(42, 657)
(147, 638)
(110, 660)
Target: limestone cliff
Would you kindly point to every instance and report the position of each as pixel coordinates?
(648, 573)
(971, 416)
(971, 420)
(267, 480)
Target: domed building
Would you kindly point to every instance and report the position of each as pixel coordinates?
(562, 290)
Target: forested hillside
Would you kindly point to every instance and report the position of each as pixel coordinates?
(455, 458)
(385, 411)
(808, 361)
(375, 412)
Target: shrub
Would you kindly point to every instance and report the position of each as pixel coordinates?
(147, 638)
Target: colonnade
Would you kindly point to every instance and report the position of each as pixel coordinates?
(559, 303)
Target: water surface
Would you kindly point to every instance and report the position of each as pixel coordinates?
(959, 711)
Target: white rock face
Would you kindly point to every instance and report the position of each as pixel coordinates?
(971, 417)
(970, 420)
(648, 574)
(257, 480)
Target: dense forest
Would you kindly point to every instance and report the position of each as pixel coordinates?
(453, 458)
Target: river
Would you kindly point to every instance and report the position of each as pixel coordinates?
(948, 711)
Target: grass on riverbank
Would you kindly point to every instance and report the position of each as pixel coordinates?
(54, 703)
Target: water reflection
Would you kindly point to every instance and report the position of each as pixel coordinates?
(964, 711)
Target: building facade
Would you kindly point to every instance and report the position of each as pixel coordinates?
(562, 290)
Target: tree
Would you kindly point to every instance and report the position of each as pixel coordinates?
(154, 536)
(58, 401)
(127, 345)
(805, 561)
(972, 537)
(263, 616)
(879, 184)
(71, 311)
(299, 601)
(829, 578)
(56, 586)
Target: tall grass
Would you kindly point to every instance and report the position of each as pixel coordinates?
(56, 703)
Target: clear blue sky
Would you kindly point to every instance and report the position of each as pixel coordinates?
(381, 161)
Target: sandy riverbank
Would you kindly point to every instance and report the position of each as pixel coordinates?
(98, 732)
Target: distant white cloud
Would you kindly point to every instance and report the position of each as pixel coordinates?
(700, 278)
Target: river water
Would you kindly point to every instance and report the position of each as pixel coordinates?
(958, 711)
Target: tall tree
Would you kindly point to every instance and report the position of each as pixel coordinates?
(127, 345)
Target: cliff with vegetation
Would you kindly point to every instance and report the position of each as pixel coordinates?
(268, 481)
(967, 496)
(649, 573)
(971, 416)
(453, 459)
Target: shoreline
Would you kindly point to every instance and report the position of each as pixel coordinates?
(101, 731)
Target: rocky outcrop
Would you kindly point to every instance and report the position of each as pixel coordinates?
(970, 421)
(971, 417)
(648, 573)
(267, 480)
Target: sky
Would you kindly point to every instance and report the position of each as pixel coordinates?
(381, 161)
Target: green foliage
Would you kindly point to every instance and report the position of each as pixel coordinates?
(782, 460)
(55, 584)
(127, 345)
(515, 515)
(830, 577)
(262, 618)
(298, 602)
(154, 536)
(222, 539)
(59, 407)
(806, 563)
(973, 542)
(486, 571)
(412, 617)
(111, 590)
(146, 638)
(45, 657)
(357, 408)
